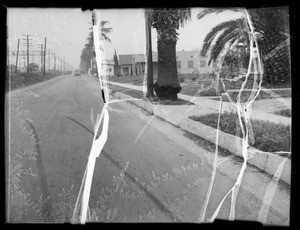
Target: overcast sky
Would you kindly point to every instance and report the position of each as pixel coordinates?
(67, 29)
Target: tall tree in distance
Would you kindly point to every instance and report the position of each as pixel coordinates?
(88, 53)
(116, 66)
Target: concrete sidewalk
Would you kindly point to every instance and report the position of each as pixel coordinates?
(179, 115)
(205, 105)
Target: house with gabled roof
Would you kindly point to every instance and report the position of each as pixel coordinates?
(135, 64)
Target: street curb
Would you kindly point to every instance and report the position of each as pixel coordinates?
(265, 161)
(268, 162)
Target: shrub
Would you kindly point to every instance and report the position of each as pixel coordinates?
(284, 112)
(208, 93)
(181, 78)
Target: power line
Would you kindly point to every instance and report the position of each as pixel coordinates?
(41, 52)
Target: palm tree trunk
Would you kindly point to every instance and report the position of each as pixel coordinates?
(167, 86)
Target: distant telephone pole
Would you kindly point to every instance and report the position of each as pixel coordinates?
(49, 59)
(17, 54)
(27, 39)
(45, 56)
(54, 63)
(41, 45)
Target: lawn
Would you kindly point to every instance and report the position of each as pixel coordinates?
(263, 94)
(268, 136)
(193, 88)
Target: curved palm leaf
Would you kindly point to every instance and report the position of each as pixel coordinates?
(184, 15)
(225, 38)
(229, 29)
(207, 11)
(209, 39)
(104, 30)
(230, 25)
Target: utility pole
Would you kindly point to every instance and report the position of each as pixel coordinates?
(149, 55)
(27, 54)
(7, 52)
(61, 66)
(41, 45)
(17, 54)
(49, 60)
(27, 39)
(45, 56)
(54, 63)
(64, 66)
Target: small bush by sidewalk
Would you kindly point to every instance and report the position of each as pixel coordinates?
(284, 112)
(269, 137)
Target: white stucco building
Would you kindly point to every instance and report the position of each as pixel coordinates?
(191, 62)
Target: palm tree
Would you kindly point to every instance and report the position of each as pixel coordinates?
(167, 22)
(88, 53)
(271, 24)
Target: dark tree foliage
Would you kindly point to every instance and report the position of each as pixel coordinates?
(272, 24)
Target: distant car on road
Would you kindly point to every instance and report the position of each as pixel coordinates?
(77, 73)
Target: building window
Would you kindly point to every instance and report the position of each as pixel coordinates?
(178, 64)
(190, 64)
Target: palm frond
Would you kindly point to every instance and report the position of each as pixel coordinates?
(207, 11)
(227, 26)
(104, 37)
(222, 41)
(105, 30)
(208, 41)
(103, 23)
(184, 15)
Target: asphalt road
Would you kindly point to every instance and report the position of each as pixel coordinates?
(157, 173)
